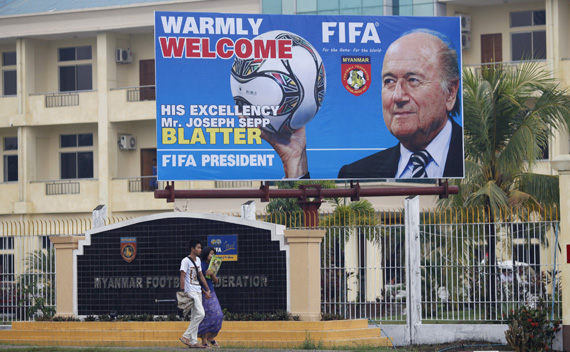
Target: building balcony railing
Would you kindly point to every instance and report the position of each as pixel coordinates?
(60, 99)
(510, 66)
(150, 184)
(64, 195)
(139, 93)
(507, 66)
(63, 107)
(144, 184)
(234, 184)
(54, 188)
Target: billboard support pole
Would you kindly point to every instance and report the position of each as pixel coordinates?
(305, 193)
(309, 206)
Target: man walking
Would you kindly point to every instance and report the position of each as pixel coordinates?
(190, 278)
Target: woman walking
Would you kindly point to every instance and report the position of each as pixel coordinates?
(212, 323)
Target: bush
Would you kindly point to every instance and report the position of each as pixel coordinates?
(331, 316)
(257, 316)
(530, 329)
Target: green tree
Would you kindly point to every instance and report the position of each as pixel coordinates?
(510, 113)
(287, 211)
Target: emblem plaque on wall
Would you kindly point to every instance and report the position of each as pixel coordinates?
(128, 248)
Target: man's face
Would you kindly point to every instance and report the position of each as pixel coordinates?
(197, 250)
(414, 102)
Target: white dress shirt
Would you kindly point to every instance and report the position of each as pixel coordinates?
(438, 149)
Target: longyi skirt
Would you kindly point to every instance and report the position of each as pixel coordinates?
(212, 322)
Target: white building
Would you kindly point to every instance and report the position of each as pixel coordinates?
(77, 110)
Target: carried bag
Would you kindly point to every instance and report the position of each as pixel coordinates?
(185, 302)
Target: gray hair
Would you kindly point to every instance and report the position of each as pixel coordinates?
(449, 62)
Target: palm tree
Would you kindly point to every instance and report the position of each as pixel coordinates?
(509, 116)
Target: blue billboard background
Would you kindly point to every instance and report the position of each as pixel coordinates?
(347, 127)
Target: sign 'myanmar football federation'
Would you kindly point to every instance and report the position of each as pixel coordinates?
(268, 97)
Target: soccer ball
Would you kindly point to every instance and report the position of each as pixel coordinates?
(296, 86)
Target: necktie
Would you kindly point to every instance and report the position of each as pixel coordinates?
(420, 160)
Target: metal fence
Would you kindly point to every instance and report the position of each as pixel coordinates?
(364, 271)
(27, 286)
(472, 266)
(27, 265)
(475, 269)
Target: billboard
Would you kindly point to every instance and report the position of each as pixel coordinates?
(268, 97)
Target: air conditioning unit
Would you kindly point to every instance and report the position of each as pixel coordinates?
(123, 56)
(127, 142)
(465, 40)
(465, 23)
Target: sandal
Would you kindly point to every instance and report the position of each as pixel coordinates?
(196, 346)
(185, 341)
(214, 343)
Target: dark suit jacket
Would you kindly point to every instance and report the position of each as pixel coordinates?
(384, 164)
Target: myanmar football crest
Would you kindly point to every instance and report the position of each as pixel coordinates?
(356, 73)
(128, 248)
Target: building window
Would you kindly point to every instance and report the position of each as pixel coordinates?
(10, 168)
(76, 164)
(544, 152)
(10, 143)
(324, 7)
(74, 54)
(9, 58)
(46, 243)
(6, 242)
(6, 267)
(272, 6)
(528, 18)
(9, 82)
(9, 76)
(528, 45)
(10, 159)
(75, 77)
(76, 140)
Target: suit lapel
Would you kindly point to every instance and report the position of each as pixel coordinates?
(454, 163)
(390, 166)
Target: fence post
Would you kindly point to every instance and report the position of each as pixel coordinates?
(248, 210)
(562, 164)
(64, 247)
(99, 215)
(413, 273)
(305, 272)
